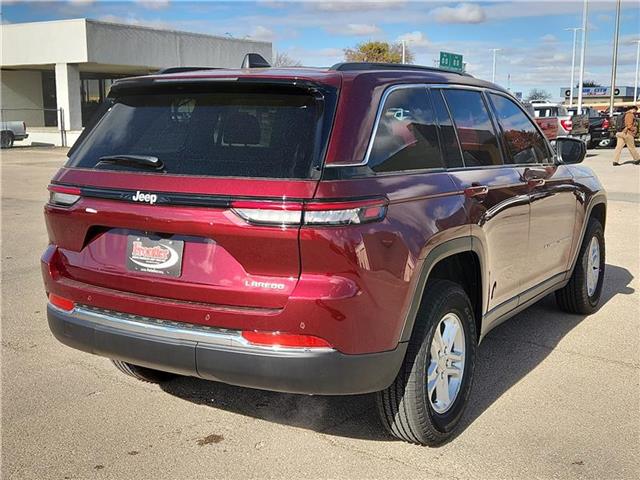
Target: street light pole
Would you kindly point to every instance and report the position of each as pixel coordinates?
(403, 52)
(573, 62)
(493, 71)
(585, 14)
(635, 88)
(614, 62)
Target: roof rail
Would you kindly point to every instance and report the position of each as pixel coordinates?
(183, 69)
(357, 66)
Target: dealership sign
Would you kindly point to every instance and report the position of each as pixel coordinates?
(595, 92)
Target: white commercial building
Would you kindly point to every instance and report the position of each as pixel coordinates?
(55, 74)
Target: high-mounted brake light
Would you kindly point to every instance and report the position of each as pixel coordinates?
(61, 302)
(312, 213)
(285, 340)
(63, 196)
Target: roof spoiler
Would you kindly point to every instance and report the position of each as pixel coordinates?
(254, 60)
(183, 69)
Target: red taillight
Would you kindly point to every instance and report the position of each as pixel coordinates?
(63, 196)
(269, 213)
(61, 302)
(605, 124)
(312, 213)
(566, 124)
(290, 340)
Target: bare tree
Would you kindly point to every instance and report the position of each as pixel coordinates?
(282, 59)
(382, 52)
(538, 94)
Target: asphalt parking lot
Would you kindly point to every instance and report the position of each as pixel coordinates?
(555, 395)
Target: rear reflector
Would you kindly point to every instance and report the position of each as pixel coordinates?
(290, 340)
(63, 196)
(61, 302)
(312, 213)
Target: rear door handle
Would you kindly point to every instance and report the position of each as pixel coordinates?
(536, 182)
(476, 191)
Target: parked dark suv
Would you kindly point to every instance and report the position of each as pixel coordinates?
(321, 231)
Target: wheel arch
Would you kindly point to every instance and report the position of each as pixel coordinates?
(597, 208)
(461, 260)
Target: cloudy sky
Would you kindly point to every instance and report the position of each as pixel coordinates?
(536, 49)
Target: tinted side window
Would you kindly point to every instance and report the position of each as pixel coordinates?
(524, 142)
(448, 139)
(475, 130)
(406, 137)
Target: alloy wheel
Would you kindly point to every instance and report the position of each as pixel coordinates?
(446, 364)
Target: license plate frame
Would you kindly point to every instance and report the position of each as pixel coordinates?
(154, 255)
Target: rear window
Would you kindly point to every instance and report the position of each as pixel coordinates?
(227, 134)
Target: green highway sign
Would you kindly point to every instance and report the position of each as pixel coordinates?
(451, 61)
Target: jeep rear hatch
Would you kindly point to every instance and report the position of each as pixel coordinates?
(164, 196)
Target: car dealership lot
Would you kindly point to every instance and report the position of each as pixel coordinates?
(555, 395)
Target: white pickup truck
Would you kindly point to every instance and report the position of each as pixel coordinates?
(11, 131)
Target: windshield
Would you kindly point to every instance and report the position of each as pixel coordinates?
(229, 134)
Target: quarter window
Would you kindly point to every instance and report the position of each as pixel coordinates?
(523, 140)
(406, 137)
(475, 130)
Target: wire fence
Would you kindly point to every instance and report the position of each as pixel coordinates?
(38, 118)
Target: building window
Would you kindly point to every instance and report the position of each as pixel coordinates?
(49, 103)
(94, 88)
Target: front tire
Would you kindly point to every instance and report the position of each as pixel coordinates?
(426, 401)
(143, 374)
(582, 294)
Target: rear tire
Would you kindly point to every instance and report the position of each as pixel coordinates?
(143, 373)
(582, 294)
(407, 409)
(6, 139)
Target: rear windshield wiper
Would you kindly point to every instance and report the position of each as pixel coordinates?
(139, 161)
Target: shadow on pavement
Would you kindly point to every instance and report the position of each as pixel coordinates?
(513, 349)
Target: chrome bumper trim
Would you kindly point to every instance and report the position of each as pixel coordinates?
(155, 327)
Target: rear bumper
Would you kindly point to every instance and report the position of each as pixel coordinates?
(597, 135)
(585, 137)
(222, 355)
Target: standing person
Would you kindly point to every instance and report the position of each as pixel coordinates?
(627, 136)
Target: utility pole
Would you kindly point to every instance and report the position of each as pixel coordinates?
(635, 88)
(585, 14)
(493, 71)
(403, 52)
(573, 63)
(614, 63)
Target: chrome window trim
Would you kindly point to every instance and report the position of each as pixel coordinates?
(425, 86)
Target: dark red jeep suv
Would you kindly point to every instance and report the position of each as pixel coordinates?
(321, 231)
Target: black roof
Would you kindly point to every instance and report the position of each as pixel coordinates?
(362, 66)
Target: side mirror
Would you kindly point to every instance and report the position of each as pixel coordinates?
(570, 150)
